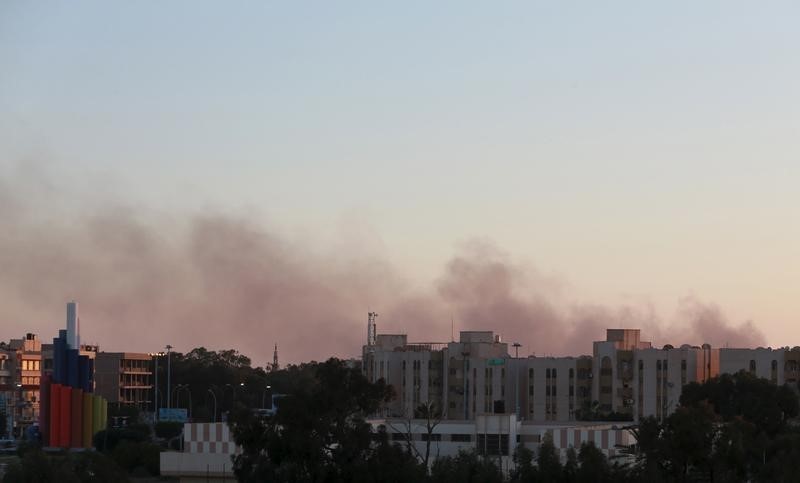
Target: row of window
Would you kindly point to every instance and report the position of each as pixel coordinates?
(30, 381)
(456, 437)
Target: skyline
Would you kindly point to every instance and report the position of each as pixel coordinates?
(585, 164)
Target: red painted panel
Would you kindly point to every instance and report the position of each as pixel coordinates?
(55, 413)
(65, 417)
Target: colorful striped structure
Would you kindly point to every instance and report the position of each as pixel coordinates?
(71, 414)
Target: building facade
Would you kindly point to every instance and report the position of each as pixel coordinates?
(125, 378)
(624, 379)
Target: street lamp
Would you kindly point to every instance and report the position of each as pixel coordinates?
(169, 375)
(264, 397)
(214, 414)
(155, 356)
(178, 390)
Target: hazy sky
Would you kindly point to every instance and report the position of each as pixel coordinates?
(637, 152)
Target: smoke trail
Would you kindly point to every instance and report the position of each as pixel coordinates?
(145, 279)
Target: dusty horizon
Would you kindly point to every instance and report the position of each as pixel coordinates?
(145, 278)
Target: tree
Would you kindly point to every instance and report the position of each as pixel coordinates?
(548, 460)
(466, 467)
(524, 470)
(745, 396)
(319, 434)
(571, 466)
(430, 414)
(689, 433)
(593, 465)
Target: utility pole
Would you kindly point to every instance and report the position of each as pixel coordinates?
(169, 376)
(155, 391)
(516, 346)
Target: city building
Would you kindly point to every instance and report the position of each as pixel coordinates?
(125, 378)
(24, 362)
(8, 392)
(624, 379)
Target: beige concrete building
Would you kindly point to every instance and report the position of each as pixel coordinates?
(625, 378)
(124, 378)
(25, 366)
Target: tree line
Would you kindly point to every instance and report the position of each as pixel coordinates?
(727, 429)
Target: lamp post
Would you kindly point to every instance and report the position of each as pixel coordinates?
(264, 398)
(156, 405)
(169, 375)
(16, 401)
(178, 389)
(155, 387)
(214, 414)
(516, 346)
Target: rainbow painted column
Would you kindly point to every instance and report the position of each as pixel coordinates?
(71, 415)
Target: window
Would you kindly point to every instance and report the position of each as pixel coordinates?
(461, 438)
(398, 437)
(572, 373)
(433, 437)
(493, 444)
(753, 366)
(554, 372)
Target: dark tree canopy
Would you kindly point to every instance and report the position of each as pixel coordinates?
(320, 433)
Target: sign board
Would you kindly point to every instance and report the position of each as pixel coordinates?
(497, 361)
(172, 414)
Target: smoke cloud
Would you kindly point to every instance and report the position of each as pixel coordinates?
(145, 279)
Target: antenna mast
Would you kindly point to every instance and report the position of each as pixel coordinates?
(371, 329)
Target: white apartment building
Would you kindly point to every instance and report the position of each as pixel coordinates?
(625, 378)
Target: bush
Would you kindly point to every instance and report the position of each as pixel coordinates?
(168, 429)
(89, 467)
(107, 440)
(137, 456)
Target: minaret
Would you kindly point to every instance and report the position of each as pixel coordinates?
(275, 365)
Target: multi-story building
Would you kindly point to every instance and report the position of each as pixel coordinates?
(8, 390)
(26, 367)
(624, 379)
(124, 378)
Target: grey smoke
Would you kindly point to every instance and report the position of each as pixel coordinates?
(146, 278)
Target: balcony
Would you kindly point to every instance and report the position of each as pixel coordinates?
(625, 392)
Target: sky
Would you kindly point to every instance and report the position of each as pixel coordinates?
(240, 174)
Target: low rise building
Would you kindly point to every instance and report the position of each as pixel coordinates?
(624, 379)
(125, 378)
